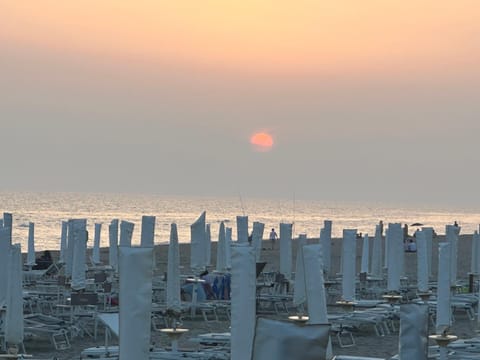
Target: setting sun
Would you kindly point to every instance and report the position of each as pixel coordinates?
(261, 141)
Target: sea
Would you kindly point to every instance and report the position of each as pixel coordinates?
(48, 210)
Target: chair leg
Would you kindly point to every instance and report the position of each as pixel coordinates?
(342, 334)
(60, 340)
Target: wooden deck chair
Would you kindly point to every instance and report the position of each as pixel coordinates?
(83, 310)
(282, 340)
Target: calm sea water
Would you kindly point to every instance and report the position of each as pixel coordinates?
(47, 210)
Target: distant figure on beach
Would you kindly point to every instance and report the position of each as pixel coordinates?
(43, 262)
(381, 227)
(273, 237)
(412, 246)
(455, 224)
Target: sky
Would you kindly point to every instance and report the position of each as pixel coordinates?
(365, 100)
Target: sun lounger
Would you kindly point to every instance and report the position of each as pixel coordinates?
(55, 329)
(34, 275)
(279, 303)
(100, 352)
(347, 357)
(213, 339)
(112, 326)
(207, 354)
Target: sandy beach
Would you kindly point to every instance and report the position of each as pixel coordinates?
(229, 119)
(367, 342)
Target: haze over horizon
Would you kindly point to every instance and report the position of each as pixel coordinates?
(370, 101)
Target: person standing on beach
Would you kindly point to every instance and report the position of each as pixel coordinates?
(273, 237)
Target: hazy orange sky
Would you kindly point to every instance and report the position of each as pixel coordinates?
(293, 36)
(345, 87)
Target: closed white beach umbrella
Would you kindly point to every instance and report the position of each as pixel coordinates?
(286, 250)
(79, 254)
(413, 337)
(228, 247)
(326, 242)
(197, 245)
(395, 252)
(113, 244)
(243, 302)
(208, 245)
(386, 252)
(135, 298)
(14, 315)
(429, 238)
(126, 232)
(422, 264)
(321, 241)
(478, 312)
(365, 254)
(314, 284)
(31, 244)
(475, 263)
(443, 318)
(348, 264)
(147, 236)
(451, 235)
(173, 272)
(287, 340)
(221, 250)
(257, 236)
(376, 269)
(400, 247)
(96, 244)
(299, 292)
(8, 224)
(315, 289)
(242, 229)
(63, 242)
(342, 251)
(4, 251)
(70, 248)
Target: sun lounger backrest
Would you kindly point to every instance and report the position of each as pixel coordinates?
(99, 277)
(260, 266)
(107, 287)
(61, 280)
(78, 299)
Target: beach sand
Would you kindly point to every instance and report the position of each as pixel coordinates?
(367, 343)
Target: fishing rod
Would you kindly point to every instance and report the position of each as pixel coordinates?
(293, 223)
(241, 203)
